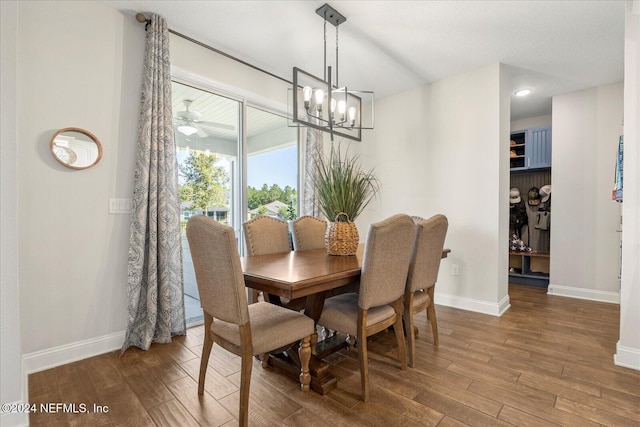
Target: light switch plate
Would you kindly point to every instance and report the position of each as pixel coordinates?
(120, 206)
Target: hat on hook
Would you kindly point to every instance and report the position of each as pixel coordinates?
(545, 193)
(514, 195)
(534, 196)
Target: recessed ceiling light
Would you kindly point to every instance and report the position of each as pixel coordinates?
(522, 92)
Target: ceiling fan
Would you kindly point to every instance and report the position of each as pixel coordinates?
(188, 121)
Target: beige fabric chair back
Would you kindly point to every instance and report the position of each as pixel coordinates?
(386, 261)
(266, 235)
(308, 233)
(218, 271)
(425, 262)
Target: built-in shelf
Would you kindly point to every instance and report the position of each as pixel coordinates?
(532, 149)
(529, 268)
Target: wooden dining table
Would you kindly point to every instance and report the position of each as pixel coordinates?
(313, 274)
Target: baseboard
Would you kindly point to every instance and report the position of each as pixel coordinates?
(581, 293)
(56, 356)
(16, 418)
(627, 357)
(470, 304)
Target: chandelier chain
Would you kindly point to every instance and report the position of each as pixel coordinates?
(325, 46)
(337, 84)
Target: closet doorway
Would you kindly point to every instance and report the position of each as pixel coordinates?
(530, 206)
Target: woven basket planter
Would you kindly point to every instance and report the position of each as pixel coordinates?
(342, 238)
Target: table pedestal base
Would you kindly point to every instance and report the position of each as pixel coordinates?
(322, 380)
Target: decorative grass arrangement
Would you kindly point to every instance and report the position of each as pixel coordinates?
(343, 186)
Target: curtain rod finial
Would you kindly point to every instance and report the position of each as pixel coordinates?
(141, 18)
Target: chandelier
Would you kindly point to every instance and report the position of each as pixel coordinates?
(321, 103)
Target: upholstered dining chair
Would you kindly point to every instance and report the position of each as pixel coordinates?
(423, 273)
(243, 329)
(308, 233)
(265, 235)
(385, 265)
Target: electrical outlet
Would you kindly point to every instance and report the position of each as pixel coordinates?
(455, 270)
(120, 206)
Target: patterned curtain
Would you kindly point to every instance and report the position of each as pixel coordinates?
(155, 284)
(313, 150)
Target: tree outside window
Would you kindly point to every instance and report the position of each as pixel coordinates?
(206, 186)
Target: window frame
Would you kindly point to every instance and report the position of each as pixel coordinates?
(239, 191)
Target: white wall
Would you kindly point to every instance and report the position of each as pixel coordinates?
(532, 122)
(394, 149)
(202, 66)
(79, 64)
(428, 145)
(628, 348)
(11, 386)
(585, 245)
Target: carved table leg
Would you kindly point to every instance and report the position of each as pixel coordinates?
(322, 380)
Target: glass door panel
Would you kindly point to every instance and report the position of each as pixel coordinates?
(272, 165)
(207, 134)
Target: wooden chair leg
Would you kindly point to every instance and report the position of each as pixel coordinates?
(246, 354)
(245, 382)
(409, 327)
(264, 359)
(254, 296)
(206, 352)
(304, 353)
(362, 353)
(364, 368)
(431, 315)
(407, 318)
(397, 327)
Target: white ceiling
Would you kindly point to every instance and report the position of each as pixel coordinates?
(553, 47)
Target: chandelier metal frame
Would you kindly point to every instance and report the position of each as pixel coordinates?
(321, 103)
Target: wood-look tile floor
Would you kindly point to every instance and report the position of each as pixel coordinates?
(547, 361)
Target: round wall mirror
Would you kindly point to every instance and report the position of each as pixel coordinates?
(76, 148)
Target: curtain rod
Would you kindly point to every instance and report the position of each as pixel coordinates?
(140, 17)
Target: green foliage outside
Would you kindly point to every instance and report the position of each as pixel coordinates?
(256, 199)
(265, 195)
(288, 212)
(206, 187)
(205, 184)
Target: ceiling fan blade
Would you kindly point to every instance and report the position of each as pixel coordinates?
(215, 125)
(192, 118)
(189, 115)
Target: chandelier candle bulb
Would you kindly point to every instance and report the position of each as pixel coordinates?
(333, 110)
(307, 92)
(319, 98)
(342, 108)
(352, 116)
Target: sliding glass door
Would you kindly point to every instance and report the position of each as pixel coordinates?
(225, 174)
